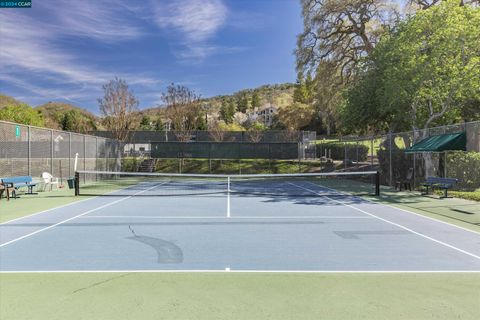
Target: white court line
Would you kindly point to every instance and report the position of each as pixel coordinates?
(77, 216)
(395, 224)
(426, 217)
(45, 211)
(229, 218)
(245, 271)
(397, 208)
(59, 207)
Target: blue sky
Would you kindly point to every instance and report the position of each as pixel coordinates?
(66, 50)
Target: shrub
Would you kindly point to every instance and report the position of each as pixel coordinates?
(465, 166)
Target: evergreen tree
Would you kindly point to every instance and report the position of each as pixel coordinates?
(67, 121)
(255, 100)
(145, 123)
(304, 89)
(227, 110)
(242, 103)
(159, 126)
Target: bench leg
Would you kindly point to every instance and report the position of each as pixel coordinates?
(445, 193)
(426, 190)
(30, 190)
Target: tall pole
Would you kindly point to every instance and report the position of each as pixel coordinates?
(390, 157)
(29, 164)
(51, 152)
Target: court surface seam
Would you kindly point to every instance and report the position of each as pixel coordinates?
(245, 271)
(226, 218)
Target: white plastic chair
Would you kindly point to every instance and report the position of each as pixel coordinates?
(50, 180)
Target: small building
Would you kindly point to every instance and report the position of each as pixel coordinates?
(264, 114)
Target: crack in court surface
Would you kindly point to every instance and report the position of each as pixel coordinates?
(96, 284)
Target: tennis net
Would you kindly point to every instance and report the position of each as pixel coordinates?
(105, 183)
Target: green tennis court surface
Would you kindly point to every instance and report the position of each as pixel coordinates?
(239, 296)
(301, 252)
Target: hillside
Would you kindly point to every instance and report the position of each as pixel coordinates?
(8, 101)
(57, 114)
(277, 94)
(280, 95)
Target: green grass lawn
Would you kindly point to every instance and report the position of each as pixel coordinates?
(239, 296)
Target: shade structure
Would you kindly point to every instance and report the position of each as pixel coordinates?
(440, 143)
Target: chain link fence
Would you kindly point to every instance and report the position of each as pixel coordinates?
(386, 153)
(28, 150)
(139, 143)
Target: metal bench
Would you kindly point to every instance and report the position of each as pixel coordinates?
(20, 182)
(439, 183)
(6, 188)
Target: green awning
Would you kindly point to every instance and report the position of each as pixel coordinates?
(439, 143)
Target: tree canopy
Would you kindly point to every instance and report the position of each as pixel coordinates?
(424, 73)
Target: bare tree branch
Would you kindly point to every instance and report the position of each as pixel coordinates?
(118, 107)
(182, 109)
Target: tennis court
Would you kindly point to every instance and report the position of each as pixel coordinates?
(291, 223)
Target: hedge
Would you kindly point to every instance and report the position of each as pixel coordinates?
(465, 166)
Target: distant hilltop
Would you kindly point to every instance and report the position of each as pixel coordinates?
(65, 116)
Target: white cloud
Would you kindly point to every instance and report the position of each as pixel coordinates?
(195, 21)
(108, 21)
(191, 52)
(28, 88)
(31, 52)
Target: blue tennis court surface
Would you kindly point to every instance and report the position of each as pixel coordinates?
(237, 232)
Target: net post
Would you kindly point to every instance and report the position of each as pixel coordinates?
(77, 183)
(377, 183)
(228, 197)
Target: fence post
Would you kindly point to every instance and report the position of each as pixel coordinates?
(371, 151)
(51, 152)
(269, 158)
(69, 155)
(84, 155)
(96, 157)
(390, 169)
(445, 164)
(29, 147)
(357, 155)
(210, 158)
(108, 151)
